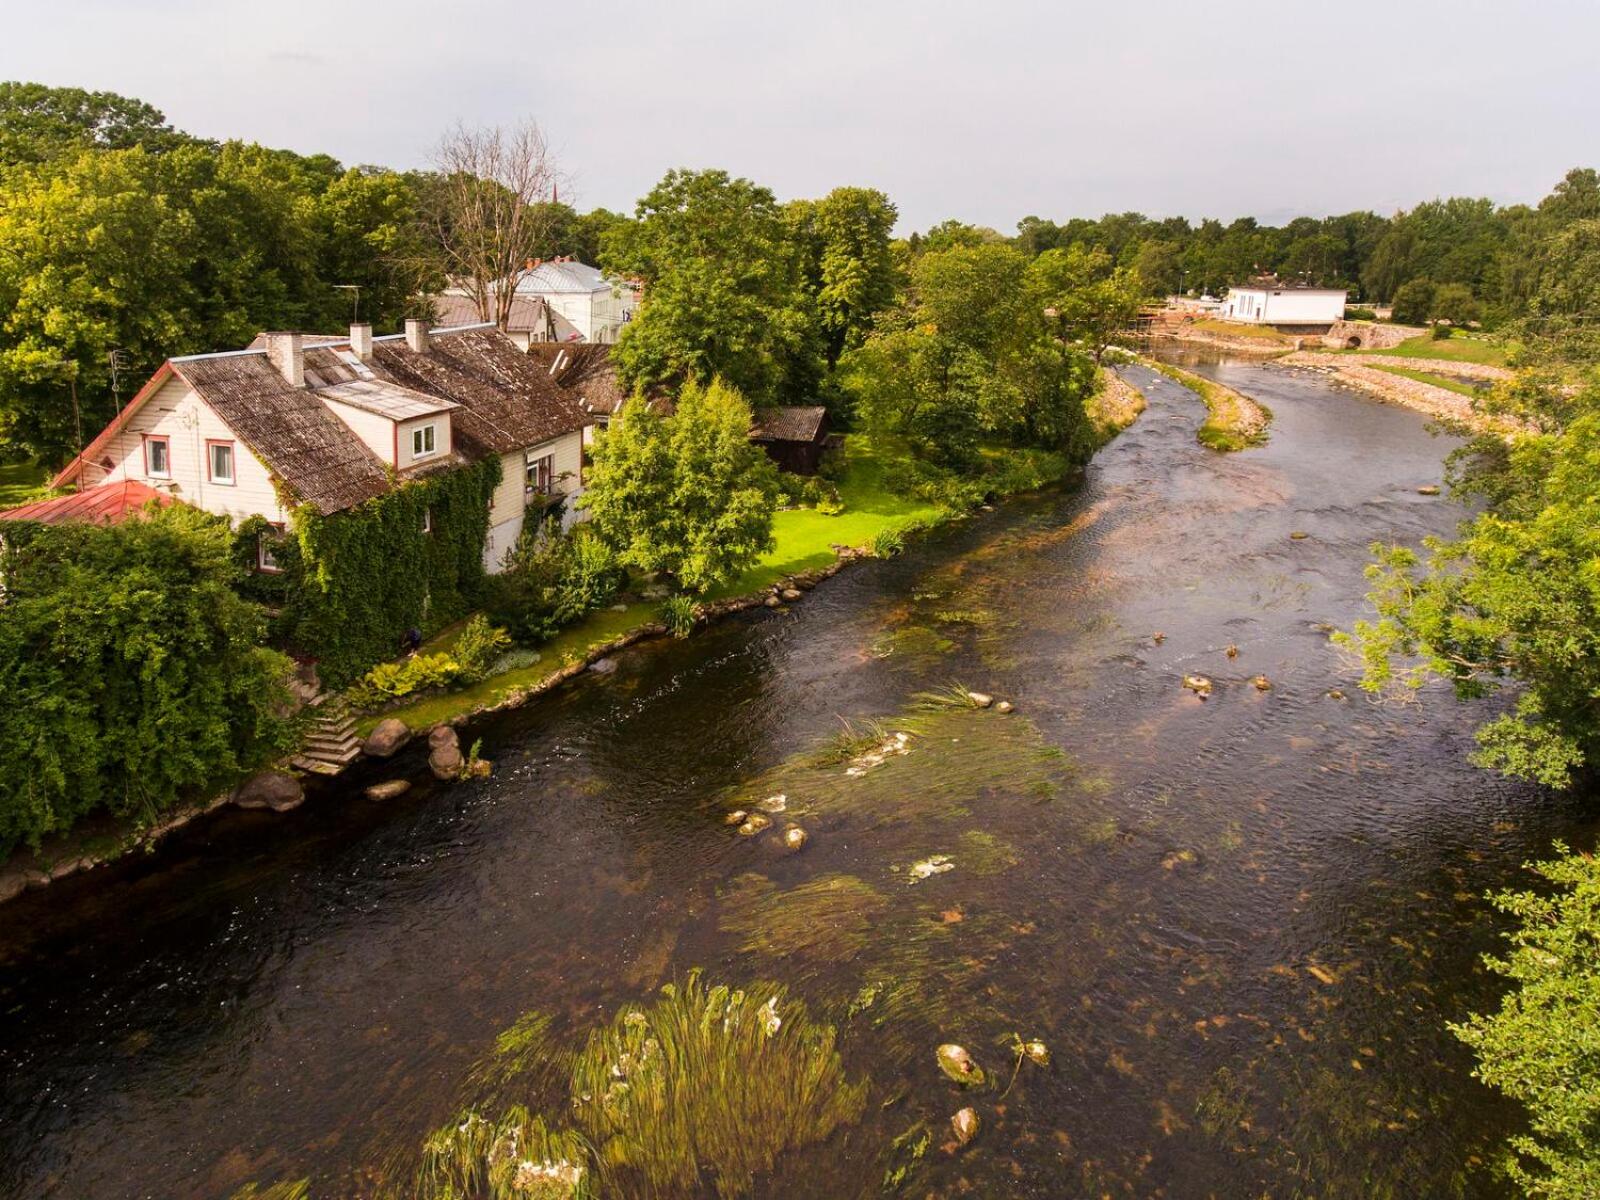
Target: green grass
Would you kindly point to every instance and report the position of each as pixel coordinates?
(1460, 348)
(21, 482)
(1229, 329)
(1439, 381)
(1233, 422)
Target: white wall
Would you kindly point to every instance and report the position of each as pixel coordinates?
(187, 423)
(441, 440)
(375, 430)
(1296, 307)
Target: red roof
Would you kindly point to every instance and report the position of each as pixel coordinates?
(103, 505)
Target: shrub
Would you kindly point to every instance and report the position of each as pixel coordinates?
(1360, 314)
(479, 645)
(392, 680)
(134, 673)
(679, 613)
(1413, 301)
(888, 542)
(551, 580)
(1442, 333)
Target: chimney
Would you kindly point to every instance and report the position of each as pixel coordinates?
(285, 352)
(417, 335)
(361, 341)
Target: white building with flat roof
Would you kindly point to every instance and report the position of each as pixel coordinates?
(1283, 304)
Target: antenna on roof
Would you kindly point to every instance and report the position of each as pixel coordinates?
(355, 308)
(119, 363)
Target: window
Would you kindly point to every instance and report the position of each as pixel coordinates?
(422, 443)
(266, 543)
(427, 520)
(219, 462)
(541, 474)
(157, 457)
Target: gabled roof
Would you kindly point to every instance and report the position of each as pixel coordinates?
(499, 400)
(529, 314)
(788, 423)
(104, 505)
(564, 276)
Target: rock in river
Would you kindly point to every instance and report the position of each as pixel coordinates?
(965, 1123)
(1198, 684)
(795, 838)
(277, 790)
(388, 789)
(444, 752)
(980, 699)
(955, 1062)
(387, 737)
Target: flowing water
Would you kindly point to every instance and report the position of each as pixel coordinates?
(1239, 924)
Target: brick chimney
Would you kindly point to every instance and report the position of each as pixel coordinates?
(417, 335)
(287, 354)
(361, 341)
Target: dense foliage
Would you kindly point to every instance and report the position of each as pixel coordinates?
(351, 584)
(1543, 1045)
(551, 580)
(686, 494)
(134, 674)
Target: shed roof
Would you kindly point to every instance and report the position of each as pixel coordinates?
(788, 423)
(104, 505)
(386, 399)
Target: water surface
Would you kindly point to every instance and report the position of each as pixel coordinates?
(1239, 924)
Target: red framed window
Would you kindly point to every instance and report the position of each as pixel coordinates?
(157, 456)
(220, 461)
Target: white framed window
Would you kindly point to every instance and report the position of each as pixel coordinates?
(219, 462)
(427, 520)
(541, 474)
(423, 441)
(266, 543)
(157, 456)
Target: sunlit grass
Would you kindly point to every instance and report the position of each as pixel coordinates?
(1234, 420)
(21, 482)
(1472, 348)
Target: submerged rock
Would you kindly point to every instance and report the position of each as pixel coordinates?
(1428, 489)
(754, 824)
(604, 666)
(1158, 638)
(1299, 535)
(1037, 1052)
(388, 789)
(1232, 651)
(795, 838)
(980, 699)
(1335, 694)
(387, 737)
(934, 864)
(956, 1063)
(774, 803)
(1198, 684)
(277, 790)
(965, 1123)
(736, 817)
(1261, 683)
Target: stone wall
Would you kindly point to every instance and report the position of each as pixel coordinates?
(1369, 336)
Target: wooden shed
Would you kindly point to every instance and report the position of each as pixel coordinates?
(793, 436)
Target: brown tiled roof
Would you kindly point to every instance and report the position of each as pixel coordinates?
(788, 424)
(586, 371)
(311, 452)
(508, 401)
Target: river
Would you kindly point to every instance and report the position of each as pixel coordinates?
(1239, 924)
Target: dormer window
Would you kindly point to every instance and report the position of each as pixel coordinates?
(157, 456)
(423, 441)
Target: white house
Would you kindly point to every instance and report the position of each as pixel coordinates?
(597, 307)
(1275, 303)
(332, 422)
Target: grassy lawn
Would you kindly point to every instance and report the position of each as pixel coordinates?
(21, 482)
(1229, 329)
(1440, 381)
(1453, 349)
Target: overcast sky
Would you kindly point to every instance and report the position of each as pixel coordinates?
(987, 110)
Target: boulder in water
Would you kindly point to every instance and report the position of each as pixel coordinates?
(958, 1065)
(965, 1123)
(1428, 489)
(792, 594)
(1261, 683)
(278, 790)
(1299, 535)
(1005, 706)
(1198, 684)
(388, 789)
(980, 699)
(736, 817)
(754, 824)
(795, 838)
(604, 666)
(386, 738)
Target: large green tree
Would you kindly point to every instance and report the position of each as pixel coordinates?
(1090, 300)
(723, 290)
(38, 123)
(844, 242)
(685, 494)
(135, 674)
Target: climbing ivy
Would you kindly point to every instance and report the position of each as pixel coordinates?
(351, 583)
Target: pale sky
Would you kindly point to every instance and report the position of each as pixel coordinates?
(986, 110)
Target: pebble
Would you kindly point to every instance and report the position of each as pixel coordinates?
(795, 838)
(980, 699)
(388, 789)
(1005, 706)
(965, 1123)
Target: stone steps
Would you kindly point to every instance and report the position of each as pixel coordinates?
(332, 743)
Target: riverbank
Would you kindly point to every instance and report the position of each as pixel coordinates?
(1245, 341)
(1406, 382)
(809, 547)
(1235, 421)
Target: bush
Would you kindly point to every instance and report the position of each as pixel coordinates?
(392, 680)
(888, 542)
(1413, 302)
(1442, 333)
(551, 580)
(479, 646)
(134, 674)
(679, 614)
(1360, 314)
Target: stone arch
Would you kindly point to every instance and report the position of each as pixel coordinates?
(1353, 342)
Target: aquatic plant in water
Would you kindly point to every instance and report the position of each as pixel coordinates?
(517, 1157)
(299, 1189)
(829, 918)
(709, 1085)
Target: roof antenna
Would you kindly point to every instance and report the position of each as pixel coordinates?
(119, 363)
(355, 307)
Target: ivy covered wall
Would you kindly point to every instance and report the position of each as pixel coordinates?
(351, 584)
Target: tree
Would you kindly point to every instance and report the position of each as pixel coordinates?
(38, 123)
(844, 241)
(1159, 268)
(686, 494)
(1539, 1047)
(1413, 301)
(1454, 302)
(135, 672)
(488, 213)
(723, 292)
(1089, 299)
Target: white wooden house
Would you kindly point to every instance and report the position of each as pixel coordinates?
(1276, 303)
(595, 306)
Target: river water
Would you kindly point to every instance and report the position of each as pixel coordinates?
(1239, 924)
